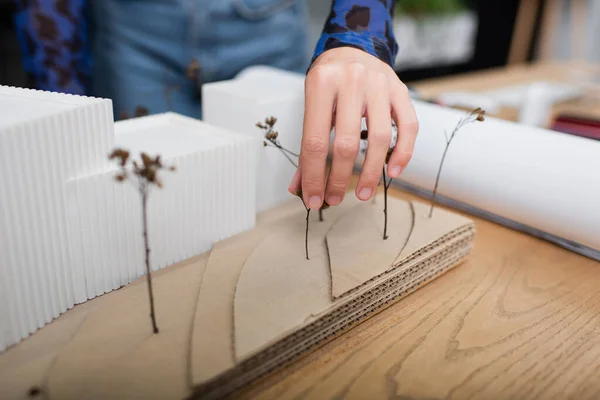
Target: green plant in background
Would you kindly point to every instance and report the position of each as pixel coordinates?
(429, 7)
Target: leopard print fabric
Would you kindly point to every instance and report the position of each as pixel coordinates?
(362, 24)
(53, 37)
(56, 47)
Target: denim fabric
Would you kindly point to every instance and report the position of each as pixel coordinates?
(142, 48)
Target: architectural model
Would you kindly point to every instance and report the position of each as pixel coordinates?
(256, 94)
(250, 305)
(69, 233)
(240, 298)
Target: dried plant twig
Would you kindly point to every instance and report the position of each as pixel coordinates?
(324, 207)
(477, 114)
(144, 176)
(299, 194)
(386, 186)
(364, 136)
(272, 140)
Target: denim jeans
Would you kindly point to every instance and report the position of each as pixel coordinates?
(142, 48)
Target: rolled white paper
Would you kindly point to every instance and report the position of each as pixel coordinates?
(541, 181)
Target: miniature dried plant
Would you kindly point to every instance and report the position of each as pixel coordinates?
(325, 206)
(477, 115)
(364, 136)
(144, 176)
(271, 139)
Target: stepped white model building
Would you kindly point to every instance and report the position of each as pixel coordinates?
(258, 93)
(69, 232)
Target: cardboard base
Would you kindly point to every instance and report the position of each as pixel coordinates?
(251, 306)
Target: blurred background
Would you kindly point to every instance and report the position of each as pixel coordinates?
(532, 61)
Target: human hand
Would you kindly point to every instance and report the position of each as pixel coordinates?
(342, 86)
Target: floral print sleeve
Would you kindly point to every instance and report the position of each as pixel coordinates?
(55, 46)
(363, 24)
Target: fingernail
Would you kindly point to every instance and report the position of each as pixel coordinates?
(364, 193)
(314, 202)
(334, 200)
(395, 171)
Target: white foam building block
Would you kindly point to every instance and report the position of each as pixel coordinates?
(210, 196)
(45, 140)
(69, 232)
(240, 103)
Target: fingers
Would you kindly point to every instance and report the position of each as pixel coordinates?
(408, 127)
(349, 111)
(296, 182)
(321, 89)
(379, 126)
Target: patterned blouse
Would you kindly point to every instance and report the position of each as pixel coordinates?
(54, 38)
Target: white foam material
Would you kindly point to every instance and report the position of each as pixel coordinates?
(69, 232)
(240, 103)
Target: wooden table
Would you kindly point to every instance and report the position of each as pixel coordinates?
(576, 73)
(519, 319)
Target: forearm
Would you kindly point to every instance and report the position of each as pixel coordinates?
(363, 24)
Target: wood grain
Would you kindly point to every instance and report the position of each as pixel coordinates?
(519, 319)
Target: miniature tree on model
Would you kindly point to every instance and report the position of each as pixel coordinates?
(364, 136)
(477, 114)
(144, 176)
(271, 140)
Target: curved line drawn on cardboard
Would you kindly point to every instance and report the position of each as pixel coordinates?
(114, 354)
(360, 230)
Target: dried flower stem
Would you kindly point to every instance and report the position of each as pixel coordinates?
(271, 140)
(284, 152)
(476, 115)
(144, 193)
(145, 175)
(386, 186)
(306, 234)
(364, 136)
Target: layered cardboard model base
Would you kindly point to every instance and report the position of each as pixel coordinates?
(251, 305)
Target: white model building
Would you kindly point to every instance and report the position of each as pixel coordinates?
(255, 94)
(70, 232)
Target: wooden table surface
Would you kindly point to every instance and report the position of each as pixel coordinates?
(519, 319)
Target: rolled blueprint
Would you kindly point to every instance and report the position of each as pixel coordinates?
(539, 181)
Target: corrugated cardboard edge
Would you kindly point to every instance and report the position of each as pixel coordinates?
(301, 343)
